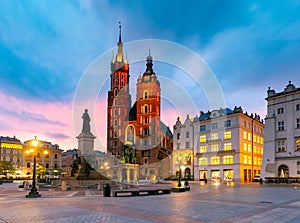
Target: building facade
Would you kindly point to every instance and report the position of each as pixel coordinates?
(282, 133)
(227, 145)
(47, 154)
(11, 150)
(135, 134)
(67, 159)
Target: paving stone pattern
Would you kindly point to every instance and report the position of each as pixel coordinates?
(204, 203)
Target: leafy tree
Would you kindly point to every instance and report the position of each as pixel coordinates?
(6, 168)
(40, 170)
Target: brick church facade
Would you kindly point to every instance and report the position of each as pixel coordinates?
(135, 134)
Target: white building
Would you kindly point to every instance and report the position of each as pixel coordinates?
(224, 144)
(282, 133)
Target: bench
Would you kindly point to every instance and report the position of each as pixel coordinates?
(140, 192)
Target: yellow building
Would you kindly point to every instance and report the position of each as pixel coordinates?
(11, 151)
(48, 155)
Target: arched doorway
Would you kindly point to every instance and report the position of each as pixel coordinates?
(187, 173)
(283, 171)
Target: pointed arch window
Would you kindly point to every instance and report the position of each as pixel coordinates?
(145, 94)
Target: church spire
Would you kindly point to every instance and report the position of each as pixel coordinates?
(119, 56)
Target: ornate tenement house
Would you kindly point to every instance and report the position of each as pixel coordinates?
(135, 134)
(221, 145)
(282, 133)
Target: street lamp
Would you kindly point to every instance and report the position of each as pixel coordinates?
(33, 192)
(180, 168)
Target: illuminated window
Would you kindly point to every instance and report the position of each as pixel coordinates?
(203, 161)
(214, 147)
(298, 144)
(245, 135)
(245, 159)
(145, 94)
(227, 146)
(254, 138)
(215, 160)
(203, 138)
(245, 146)
(249, 147)
(202, 149)
(249, 136)
(255, 161)
(255, 149)
(281, 146)
(214, 125)
(228, 160)
(227, 135)
(214, 136)
(249, 160)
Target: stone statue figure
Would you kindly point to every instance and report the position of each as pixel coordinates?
(86, 128)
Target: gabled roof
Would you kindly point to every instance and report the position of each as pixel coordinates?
(165, 129)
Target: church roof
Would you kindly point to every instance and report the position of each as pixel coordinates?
(132, 113)
(165, 129)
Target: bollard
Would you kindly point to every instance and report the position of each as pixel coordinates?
(106, 190)
(99, 185)
(63, 186)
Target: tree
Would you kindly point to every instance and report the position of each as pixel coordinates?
(40, 170)
(6, 168)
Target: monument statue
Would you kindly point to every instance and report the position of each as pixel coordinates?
(86, 128)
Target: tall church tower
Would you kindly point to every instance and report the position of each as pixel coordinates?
(148, 115)
(118, 102)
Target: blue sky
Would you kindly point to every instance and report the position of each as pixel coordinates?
(45, 47)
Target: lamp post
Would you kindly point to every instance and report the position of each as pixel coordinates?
(33, 192)
(180, 167)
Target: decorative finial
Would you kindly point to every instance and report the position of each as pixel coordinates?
(120, 27)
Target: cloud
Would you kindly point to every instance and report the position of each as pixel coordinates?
(58, 136)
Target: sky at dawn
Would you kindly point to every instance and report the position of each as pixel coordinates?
(47, 46)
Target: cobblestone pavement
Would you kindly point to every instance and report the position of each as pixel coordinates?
(204, 203)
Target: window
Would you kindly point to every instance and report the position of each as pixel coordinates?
(146, 108)
(47, 155)
(281, 146)
(227, 135)
(202, 149)
(178, 135)
(116, 122)
(254, 138)
(249, 136)
(55, 165)
(214, 125)
(228, 146)
(11, 152)
(245, 124)
(245, 146)
(214, 148)
(28, 165)
(4, 151)
(249, 148)
(178, 145)
(245, 159)
(55, 156)
(280, 110)
(203, 161)
(280, 126)
(187, 145)
(245, 135)
(297, 144)
(214, 136)
(187, 134)
(215, 160)
(145, 94)
(227, 123)
(298, 107)
(298, 123)
(203, 138)
(228, 160)
(146, 120)
(202, 128)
